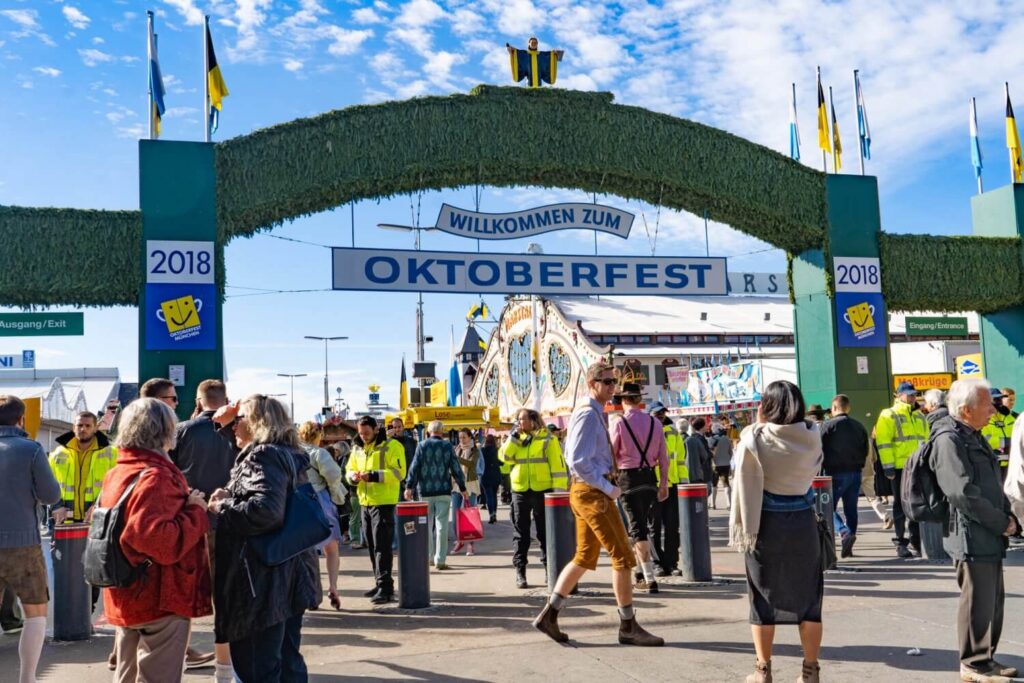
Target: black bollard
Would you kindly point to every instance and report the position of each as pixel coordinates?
(72, 596)
(413, 570)
(825, 505)
(560, 524)
(694, 535)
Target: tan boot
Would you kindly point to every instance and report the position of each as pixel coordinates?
(630, 633)
(762, 673)
(809, 673)
(547, 623)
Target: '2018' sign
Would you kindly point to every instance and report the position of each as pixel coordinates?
(176, 261)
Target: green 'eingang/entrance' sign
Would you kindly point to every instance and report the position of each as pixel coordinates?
(41, 324)
(936, 327)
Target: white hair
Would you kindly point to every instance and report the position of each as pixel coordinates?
(964, 394)
(934, 397)
(148, 424)
(435, 427)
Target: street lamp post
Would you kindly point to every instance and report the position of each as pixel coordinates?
(292, 378)
(325, 340)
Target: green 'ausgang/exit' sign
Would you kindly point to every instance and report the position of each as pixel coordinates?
(41, 324)
(936, 327)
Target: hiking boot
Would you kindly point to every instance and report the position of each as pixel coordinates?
(630, 633)
(809, 673)
(652, 587)
(370, 593)
(847, 545)
(762, 673)
(521, 578)
(904, 552)
(980, 677)
(382, 597)
(547, 623)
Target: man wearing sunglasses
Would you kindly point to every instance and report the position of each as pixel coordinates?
(588, 454)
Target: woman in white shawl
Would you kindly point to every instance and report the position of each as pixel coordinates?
(773, 523)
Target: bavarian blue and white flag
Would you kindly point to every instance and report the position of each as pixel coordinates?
(794, 129)
(156, 82)
(454, 376)
(975, 143)
(863, 129)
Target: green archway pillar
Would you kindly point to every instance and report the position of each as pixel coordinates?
(824, 367)
(177, 195)
(1000, 213)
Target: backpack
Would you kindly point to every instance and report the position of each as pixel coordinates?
(105, 563)
(923, 500)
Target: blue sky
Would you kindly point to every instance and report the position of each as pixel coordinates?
(73, 102)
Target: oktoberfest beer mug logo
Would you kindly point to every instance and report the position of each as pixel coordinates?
(861, 318)
(181, 316)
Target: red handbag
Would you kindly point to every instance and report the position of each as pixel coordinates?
(468, 526)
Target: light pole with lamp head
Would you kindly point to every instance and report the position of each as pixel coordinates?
(325, 340)
(292, 378)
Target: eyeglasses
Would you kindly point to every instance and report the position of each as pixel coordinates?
(168, 398)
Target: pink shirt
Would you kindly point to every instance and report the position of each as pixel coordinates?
(627, 455)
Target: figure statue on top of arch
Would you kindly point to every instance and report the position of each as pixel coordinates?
(534, 65)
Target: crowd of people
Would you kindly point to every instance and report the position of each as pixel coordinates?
(200, 498)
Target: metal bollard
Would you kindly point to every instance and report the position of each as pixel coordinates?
(560, 524)
(931, 540)
(413, 540)
(694, 534)
(72, 596)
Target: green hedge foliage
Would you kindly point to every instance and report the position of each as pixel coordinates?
(510, 136)
(69, 257)
(928, 273)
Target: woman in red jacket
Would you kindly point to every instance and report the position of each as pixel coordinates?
(165, 525)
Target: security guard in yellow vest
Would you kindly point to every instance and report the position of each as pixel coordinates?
(898, 433)
(533, 458)
(999, 429)
(377, 467)
(667, 547)
(79, 463)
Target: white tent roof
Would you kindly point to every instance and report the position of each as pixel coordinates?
(722, 315)
(64, 392)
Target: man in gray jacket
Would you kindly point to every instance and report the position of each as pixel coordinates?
(25, 481)
(980, 524)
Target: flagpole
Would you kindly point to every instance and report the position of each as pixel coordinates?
(206, 79)
(832, 111)
(856, 110)
(149, 69)
(974, 120)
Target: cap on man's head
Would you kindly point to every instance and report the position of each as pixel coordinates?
(905, 388)
(997, 393)
(656, 407)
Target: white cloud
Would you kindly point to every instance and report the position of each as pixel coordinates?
(414, 89)
(47, 71)
(187, 9)
(96, 40)
(345, 41)
(26, 18)
(419, 40)
(134, 131)
(420, 13)
(292, 65)
(94, 57)
(249, 16)
(75, 17)
(27, 84)
(466, 22)
(179, 112)
(439, 67)
(366, 15)
(519, 17)
(386, 63)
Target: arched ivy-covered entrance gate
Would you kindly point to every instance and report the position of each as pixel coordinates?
(520, 137)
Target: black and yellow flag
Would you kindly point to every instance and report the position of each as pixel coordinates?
(403, 390)
(823, 141)
(216, 88)
(1013, 141)
(837, 145)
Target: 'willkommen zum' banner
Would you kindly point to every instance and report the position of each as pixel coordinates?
(461, 273)
(504, 226)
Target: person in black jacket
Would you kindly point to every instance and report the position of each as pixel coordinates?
(698, 455)
(205, 453)
(258, 609)
(980, 522)
(845, 445)
(934, 406)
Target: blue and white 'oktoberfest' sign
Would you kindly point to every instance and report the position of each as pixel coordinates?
(505, 226)
(549, 274)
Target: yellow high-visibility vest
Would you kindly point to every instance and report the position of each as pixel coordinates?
(536, 464)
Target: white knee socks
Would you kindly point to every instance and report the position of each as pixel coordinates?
(30, 647)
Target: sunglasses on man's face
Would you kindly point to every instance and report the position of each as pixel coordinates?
(169, 398)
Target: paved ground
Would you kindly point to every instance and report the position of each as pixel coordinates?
(876, 609)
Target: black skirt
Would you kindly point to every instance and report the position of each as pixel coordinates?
(784, 578)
